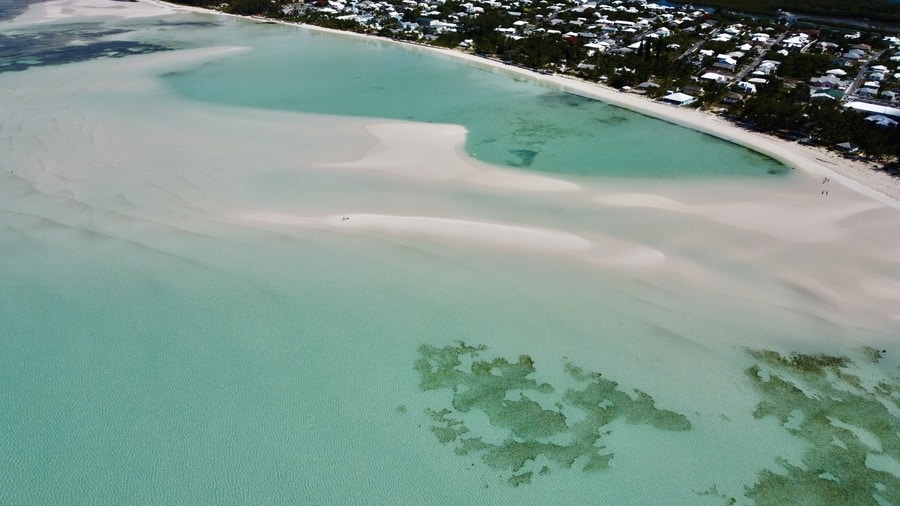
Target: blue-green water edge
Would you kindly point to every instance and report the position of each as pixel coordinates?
(510, 122)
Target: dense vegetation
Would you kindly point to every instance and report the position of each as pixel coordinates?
(241, 7)
(876, 10)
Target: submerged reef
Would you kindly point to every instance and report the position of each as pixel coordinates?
(848, 413)
(533, 427)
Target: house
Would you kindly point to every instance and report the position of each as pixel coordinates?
(712, 76)
(867, 91)
(882, 120)
(746, 87)
(724, 61)
(732, 98)
(826, 81)
(827, 95)
(679, 99)
(866, 107)
(692, 89)
(796, 41)
(824, 47)
(846, 147)
(821, 95)
(767, 67)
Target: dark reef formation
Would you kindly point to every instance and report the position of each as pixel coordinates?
(505, 392)
(850, 421)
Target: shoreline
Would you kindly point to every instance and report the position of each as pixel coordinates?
(857, 175)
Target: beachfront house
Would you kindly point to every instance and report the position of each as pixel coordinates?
(847, 147)
(732, 98)
(679, 99)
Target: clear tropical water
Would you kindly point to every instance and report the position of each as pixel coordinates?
(509, 121)
(156, 348)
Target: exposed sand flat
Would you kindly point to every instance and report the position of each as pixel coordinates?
(70, 9)
(436, 152)
(472, 232)
(603, 251)
(796, 220)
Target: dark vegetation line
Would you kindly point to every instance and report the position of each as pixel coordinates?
(875, 10)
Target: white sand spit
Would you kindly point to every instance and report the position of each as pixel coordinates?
(435, 151)
(488, 234)
(69, 9)
(790, 219)
(603, 250)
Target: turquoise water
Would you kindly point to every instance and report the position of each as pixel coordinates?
(509, 121)
(157, 348)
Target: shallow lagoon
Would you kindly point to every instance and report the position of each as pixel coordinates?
(510, 121)
(157, 348)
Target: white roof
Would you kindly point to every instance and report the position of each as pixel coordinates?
(712, 76)
(679, 98)
(882, 120)
(837, 72)
(876, 109)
